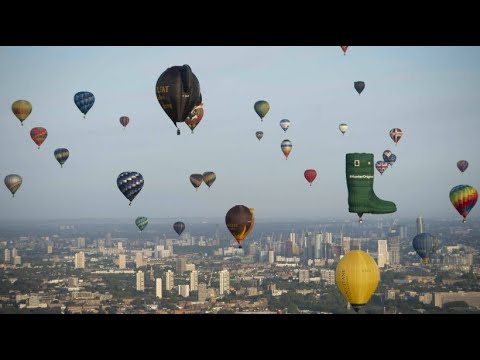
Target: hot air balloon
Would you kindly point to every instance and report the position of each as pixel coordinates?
(425, 245)
(286, 147)
(130, 184)
(141, 222)
(84, 101)
(38, 135)
(357, 278)
(21, 109)
(261, 108)
(343, 128)
(240, 222)
(359, 86)
(381, 166)
(124, 120)
(389, 157)
(259, 135)
(179, 227)
(13, 182)
(61, 155)
(285, 124)
(463, 198)
(310, 175)
(209, 178)
(462, 165)
(344, 49)
(195, 117)
(361, 196)
(196, 180)
(178, 92)
(396, 134)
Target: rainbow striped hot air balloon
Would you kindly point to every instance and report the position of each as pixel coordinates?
(463, 198)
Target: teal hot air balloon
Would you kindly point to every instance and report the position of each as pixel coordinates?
(261, 108)
(141, 222)
(61, 154)
(84, 101)
(425, 245)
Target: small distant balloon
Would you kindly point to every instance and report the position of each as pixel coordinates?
(396, 134)
(38, 135)
(209, 178)
(381, 166)
(141, 222)
(359, 86)
(179, 227)
(343, 128)
(124, 120)
(344, 49)
(195, 117)
(261, 108)
(463, 199)
(130, 183)
(310, 175)
(84, 101)
(462, 165)
(425, 245)
(13, 183)
(259, 135)
(389, 157)
(286, 147)
(285, 124)
(21, 109)
(196, 180)
(61, 155)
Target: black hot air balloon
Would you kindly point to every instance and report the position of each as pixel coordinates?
(179, 227)
(359, 86)
(178, 92)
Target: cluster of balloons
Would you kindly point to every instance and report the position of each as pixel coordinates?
(208, 178)
(389, 159)
(142, 223)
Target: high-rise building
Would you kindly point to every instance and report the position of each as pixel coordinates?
(140, 281)
(318, 246)
(49, 249)
(152, 274)
(252, 249)
(394, 250)
(190, 267)
(7, 255)
(139, 259)
(120, 246)
(292, 237)
(184, 290)
(80, 260)
(271, 256)
(81, 242)
(72, 282)
(224, 282)
(158, 288)
(181, 265)
(420, 225)
(382, 254)
(328, 275)
(194, 280)
(303, 276)
(202, 292)
(356, 244)
(108, 240)
(329, 238)
(346, 240)
(17, 260)
(169, 280)
(158, 250)
(14, 252)
(122, 261)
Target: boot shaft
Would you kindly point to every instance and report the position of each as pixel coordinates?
(360, 169)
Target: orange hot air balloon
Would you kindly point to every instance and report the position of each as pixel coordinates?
(21, 109)
(240, 222)
(38, 135)
(286, 148)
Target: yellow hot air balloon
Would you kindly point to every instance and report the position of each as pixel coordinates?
(357, 278)
(21, 109)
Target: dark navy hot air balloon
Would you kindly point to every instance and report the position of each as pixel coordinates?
(61, 155)
(130, 184)
(179, 227)
(425, 245)
(84, 101)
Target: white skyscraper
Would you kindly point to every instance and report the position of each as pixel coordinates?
(318, 246)
(194, 280)
(49, 249)
(139, 259)
(292, 237)
(303, 276)
(120, 247)
(184, 290)
(80, 260)
(224, 282)
(7, 255)
(14, 252)
(328, 238)
(140, 281)
(271, 256)
(122, 261)
(17, 260)
(420, 225)
(169, 280)
(158, 288)
(382, 253)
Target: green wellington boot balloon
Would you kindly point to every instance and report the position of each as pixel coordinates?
(361, 197)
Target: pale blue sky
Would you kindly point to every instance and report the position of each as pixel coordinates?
(431, 93)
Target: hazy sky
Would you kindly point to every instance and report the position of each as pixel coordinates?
(431, 93)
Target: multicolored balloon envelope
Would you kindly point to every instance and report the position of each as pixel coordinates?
(209, 178)
(178, 92)
(310, 175)
(261, 107)
(425, 245)
(130, 183)
(21, 109)
(13, 183)
(124, 120)
(462, 165)
(285, 124)
(240, 222)
(357, 278)
(141, 222)
(381, 166)
(84, 101)
(259, 135)
(396, 134)
(196, 180)
(463, 198)
(286, 147)
(359, 86)
(389, 157)
(38, 135)
(179, 227)
(61, 154)
(195, 117)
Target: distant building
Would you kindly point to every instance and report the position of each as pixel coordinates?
(346, 240)
(303, 276)
(169, 280)
(72, 282)
(120, 246)
(14, 252)
(271, 256)
(224, 282)
(318, 246)
(81, 242)
(382, 254)
(7, 255)
(202, 292)
(194, 280)
(420, 225)
(252, 291)
(158, 288)
(122, 261)
(190, 267)
(181, 265)
(17, 260)
(329, 238)
(472, 298)
(252, 249)
(394, 250)
(328, 276)
(184, 290)
(426, 298)
(356, 244)
(139, 259)
(80, 260)
(140, 281)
